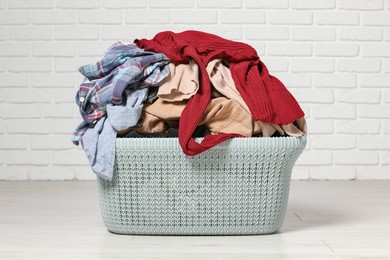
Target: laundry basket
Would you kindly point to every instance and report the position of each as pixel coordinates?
(240, 186)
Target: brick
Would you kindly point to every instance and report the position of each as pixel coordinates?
(92, 48)
(120, 4)
(74, 157)
(2, 95)
(2, 126)
(295, 80)
(191, 17)
(155, 29)
(28, 4)
(375, 50)
(100, 17)
(308, 4)
(276, 64)
(3, 33)
(386, 95)
(148, 17)
(333, 111)
(28, 126)
(77, 4)
(63, 95)
(171, 4)
(355, 158)
(289, 49)
(53, 17)
(14, 80)
(315, 158)
(337, 18)
(27, 157)
(374, 80)
(313, 33)
(377, 142)
(374, 111)
(332, 173)
(361, 4)
(309, 95)
(28, 96)
(216, 3)
(336, 80)
(267, 33)
(80, 32)
(13, 173)
(360, 34)
(300, 173)
(29, 65)
(84, 173)
(373, 173)
(231, 32)
(375, 18)
(13, 142)
(71, 64)
(56, 173)
(290, 17)
(242, 17)
(387, 34)
(386, 127)
(385, 158)
(259, 46)
(53, 49)
(336, 49)
(360, 65)
(267, 4)
(64, 126)
(14, 49)
(320, 126)
(361, 126)
(3, 63)
(333, 142)
(124, 33)
(56, 110)
(312, 65)
(14, 17)
(358, 96)
(52, 80)
(3, 4)
(51, 142)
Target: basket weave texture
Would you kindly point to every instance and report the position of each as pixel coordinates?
(238, 187)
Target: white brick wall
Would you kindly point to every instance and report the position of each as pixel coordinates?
(334, 56)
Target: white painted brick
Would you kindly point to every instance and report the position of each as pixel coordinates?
(14, 49)
(355, 157)
(29, 4)
(336, 49)
(56, 110)
(360, 33)
(309, 95)
(386, 127)
(63, 95)
(309, 4)
(335, 80)
(295, 80)
(52, 142)
(29, 65)
(28, 96)
(333, 111)
(92, 48)
(14, 17)
(52, 80)
(312, 65)
(358, 96)
(14, 80)
(2, 126)
(386, 65)
(19, 111)
(231, 32)
(290, 17)
(27, 157)
(289, 49)
(386, 95)
(3, 33)
(315, 158)
(267, 33)
(387, 34)
(242, 17)
(259, 46)
(100, 17)
(320, 126)
(80, 32)
(50, 173)
(356, 127)
(13, 173)
(2, 95)
(300, 173)
(375, 18)
(267, 4)
(276, 64)
(313, 33)
(387, 4)
(13, 142)
(74, 157)
(171, 4)
(120, 4)
(3, 64)
(374, 80)
(53, 17)
(123, 33)
(77, 4)
(53, 49)
(28, 126)
(64, 126)
(337, 18)
(2, 155)
(149, 16)
(333, 142)
(83, 173)
(3, 4)
(155, 29)
(71, 64)
(385, 157)
(361, 4)
(374, 142)
(332, 173)
(194, 17)
(373, 173)
(375, 50)
(216, 3)
(374, 111)
(360, 65)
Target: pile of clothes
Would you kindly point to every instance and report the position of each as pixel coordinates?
(186, 85)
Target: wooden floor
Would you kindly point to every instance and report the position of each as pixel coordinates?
(61, 220)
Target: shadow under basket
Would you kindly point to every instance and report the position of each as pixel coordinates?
(238, 187)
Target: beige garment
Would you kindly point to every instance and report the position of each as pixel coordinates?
(182, 82)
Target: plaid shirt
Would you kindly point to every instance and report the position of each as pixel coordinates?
(123, 66)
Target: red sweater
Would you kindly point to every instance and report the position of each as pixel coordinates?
(267, 98)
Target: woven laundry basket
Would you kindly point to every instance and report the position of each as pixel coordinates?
(240, 186)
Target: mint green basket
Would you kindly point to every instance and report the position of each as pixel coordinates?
(238, 187)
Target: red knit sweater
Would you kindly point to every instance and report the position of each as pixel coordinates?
(267, 98)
